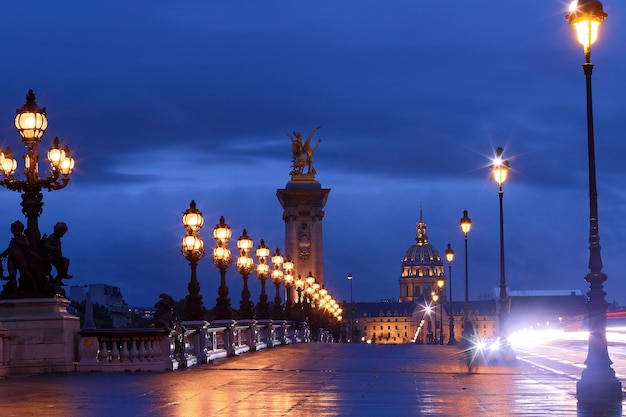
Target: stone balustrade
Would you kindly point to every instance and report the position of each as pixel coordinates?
(161, 349)
(152, 349)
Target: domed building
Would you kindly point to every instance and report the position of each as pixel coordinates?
(406, 320)
(422, 268)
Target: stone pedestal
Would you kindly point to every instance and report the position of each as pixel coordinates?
(41, 335)
(303, 200)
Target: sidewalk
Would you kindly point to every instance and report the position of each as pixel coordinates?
(305, 380)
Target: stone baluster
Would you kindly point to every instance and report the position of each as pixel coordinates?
(148, 352)
(134, 352)
(156, 347)
(115, 351)
(103, 354)
(125, 353)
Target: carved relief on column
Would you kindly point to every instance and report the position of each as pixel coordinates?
(304, 240)
(290, 214)
(317, 214)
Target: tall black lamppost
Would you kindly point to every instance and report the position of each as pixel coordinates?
(262, 272)
(598, 381)
(308, 295)
(450, 257)
(36, 279)
(288, 280)
(299, 304)
(245, 266)
(435, 297)
(277, 279)
(222, 259)
(500, 169)
(351, 311)
(193, 250)
(440, 284)
(468, 327)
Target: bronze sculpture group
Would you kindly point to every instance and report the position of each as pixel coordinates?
(34, 263)
(303, 153)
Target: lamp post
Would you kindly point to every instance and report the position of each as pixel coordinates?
(598, 381)
(193, 250)
(277, 279)
(310, 289)
(222, 259)
(440, 284)
(288, 278)
(299, 305)
(351, 311)
(466, 225)
(245, 265)
(500, 169)
(310, 280)
(36, 280)
(262, 272)
(435, 298)
(450, 257)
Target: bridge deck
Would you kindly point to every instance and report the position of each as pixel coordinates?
(303, 380)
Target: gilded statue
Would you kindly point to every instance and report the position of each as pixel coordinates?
(303, 153)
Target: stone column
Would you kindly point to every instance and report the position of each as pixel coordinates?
(303, 200)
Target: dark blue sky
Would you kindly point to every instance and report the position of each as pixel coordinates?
(165, 102)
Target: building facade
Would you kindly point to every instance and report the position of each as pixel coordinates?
(108, 296)
(415, 317)
(422, 270)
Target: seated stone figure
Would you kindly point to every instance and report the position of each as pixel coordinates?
(16, 255)
(53, 253)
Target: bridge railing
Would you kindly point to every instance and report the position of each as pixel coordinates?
(151, 349)
(161, 349)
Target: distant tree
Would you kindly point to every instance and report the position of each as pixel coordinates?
(101, 316)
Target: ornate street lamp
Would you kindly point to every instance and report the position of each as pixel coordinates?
(193, 250)
(222, 259)
(351, 311)
(440, 284)
(598, 381)
(468, 327)
(262, 272)
(288, 280)
(500, 169)
(36, 278)
(450, 257)
(299, 284)
(310, 280)
(245, 266)
(435, 298)
(277, 279)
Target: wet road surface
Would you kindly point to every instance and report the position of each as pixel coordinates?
(305, 380)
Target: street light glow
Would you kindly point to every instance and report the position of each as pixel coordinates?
(500, 167)
(586, 19)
